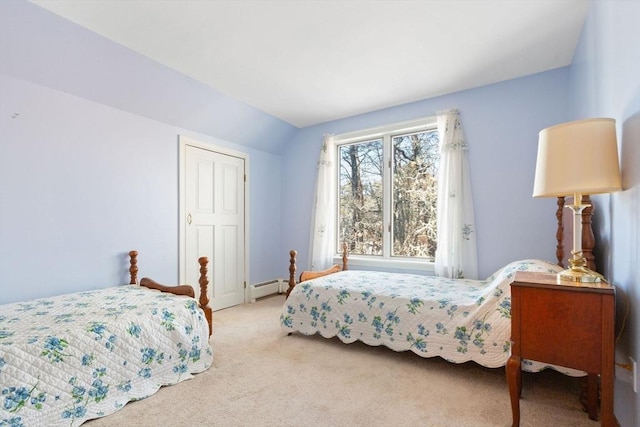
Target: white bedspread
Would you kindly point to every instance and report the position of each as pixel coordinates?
(67, 359)
(459, 320)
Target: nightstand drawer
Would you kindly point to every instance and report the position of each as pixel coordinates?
(558, 327)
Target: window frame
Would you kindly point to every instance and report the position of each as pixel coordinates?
(386, 133)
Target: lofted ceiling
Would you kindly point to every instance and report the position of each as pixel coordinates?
(312, 61)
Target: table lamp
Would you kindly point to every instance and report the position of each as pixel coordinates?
(577, 158)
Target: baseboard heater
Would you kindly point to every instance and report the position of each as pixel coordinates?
(270, 287)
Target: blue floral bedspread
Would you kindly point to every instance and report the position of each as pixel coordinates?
(459, 320)
(71, 358)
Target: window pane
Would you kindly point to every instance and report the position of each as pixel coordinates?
(415, 192)
(360, 201)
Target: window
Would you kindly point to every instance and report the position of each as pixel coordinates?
(387, 192)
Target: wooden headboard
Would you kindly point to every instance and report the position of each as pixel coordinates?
(187, 290)
(588, 238)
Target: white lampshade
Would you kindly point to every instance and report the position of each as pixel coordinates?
(577, 157)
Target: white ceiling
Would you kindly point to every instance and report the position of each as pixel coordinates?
(311, 61)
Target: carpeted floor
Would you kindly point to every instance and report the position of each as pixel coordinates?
(263, 377)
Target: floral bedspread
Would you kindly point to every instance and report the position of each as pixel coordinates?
(459, 320)
(71, 358)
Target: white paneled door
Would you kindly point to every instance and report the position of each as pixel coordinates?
(214, 222)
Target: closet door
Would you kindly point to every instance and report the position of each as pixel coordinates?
(214, 222)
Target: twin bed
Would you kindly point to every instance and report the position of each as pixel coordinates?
(71, 358)
(459, 320)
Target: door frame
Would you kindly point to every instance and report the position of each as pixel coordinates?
(183, 142)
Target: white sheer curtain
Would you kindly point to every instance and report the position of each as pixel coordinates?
(323, 236)
(456, 255)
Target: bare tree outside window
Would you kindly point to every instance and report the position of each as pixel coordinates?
(413, 182)
(360, 197)
(415, 192)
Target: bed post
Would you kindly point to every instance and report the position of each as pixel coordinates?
(204, 297)
(133, 269)
(292, 271)
(560, 232)
(588, 238)
(345, 256)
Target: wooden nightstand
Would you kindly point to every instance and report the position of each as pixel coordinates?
(565, 324)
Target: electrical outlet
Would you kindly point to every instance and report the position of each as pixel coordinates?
(634, 374)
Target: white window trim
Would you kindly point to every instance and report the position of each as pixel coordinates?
(386, 260)
(415, 264)
(376, 132)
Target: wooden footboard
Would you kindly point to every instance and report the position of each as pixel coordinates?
(308, 275)
(177, 290)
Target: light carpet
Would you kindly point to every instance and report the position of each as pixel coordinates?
(263, 377)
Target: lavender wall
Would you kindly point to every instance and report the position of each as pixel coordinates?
(89, 166)
(501, 123)
(605, 78)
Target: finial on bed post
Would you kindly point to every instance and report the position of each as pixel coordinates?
(560, 232)
(133, 269)
(345, 256)
(292, 271)
(204, 293)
